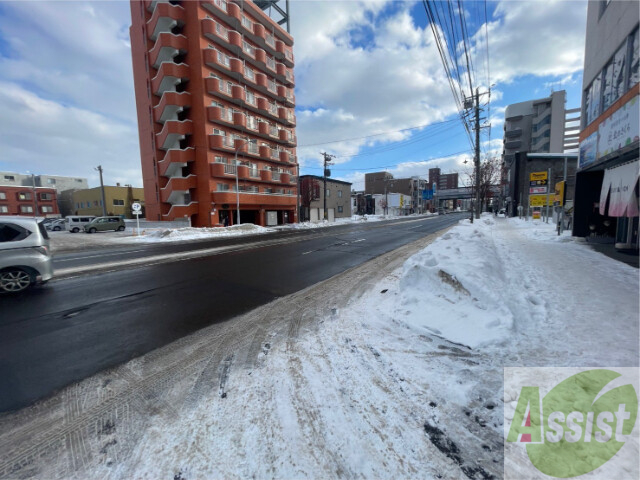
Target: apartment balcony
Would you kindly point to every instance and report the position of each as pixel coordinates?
(268, 131)
(175, 160)
(170, 105)
(265, 175)
(221, 142)
(240, 120)
(215, 32)
(239, 94)
(222, 169)
(179, 211)
(287, 117)
(284, 53)
(513, 133)
(287, 137)
(285, 178)
(246, 198)
(176, 188)
(167, 47)
(172, 132)
(235, 39)
(151, 5)
(283, 74)
(219, 115)
(169, 76)
(513, 144)
(214, 87)
(286, 95)
(165, 17)
(236, 66)
(217, 7)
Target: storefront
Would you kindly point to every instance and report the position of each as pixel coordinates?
(607, 181)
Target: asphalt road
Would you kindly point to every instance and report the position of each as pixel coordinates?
(75, 327)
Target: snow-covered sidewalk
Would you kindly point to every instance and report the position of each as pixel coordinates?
(404, 380)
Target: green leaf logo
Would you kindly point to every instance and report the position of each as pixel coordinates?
(581, 433)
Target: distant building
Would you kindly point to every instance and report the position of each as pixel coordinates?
(534, 126)
(28, 201)
(381, 183)
(376, 182)
(58, 182)
(118, 200)
(606, 200)
(444, 181)
(312, 198)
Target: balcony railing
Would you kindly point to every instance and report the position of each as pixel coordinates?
(230, 169)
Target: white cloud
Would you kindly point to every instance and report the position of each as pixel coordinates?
(535, 38)
(51, 138)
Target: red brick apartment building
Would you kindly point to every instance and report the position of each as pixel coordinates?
(214, 78)
(28, 201)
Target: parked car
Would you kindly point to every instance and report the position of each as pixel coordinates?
(75, 223)
(25, 257)
(56, 225)
(101, 224)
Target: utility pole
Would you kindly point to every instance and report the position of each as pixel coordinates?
(327, 161)
(477, 155)
(104, 202)
(35, 196)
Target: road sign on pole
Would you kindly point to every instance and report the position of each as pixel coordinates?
(136, 209)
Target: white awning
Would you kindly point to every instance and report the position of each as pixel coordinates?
(620, 183)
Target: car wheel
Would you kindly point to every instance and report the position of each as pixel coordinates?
(75, 230)
(14, 280)
(92, 230)
(56, 229)
(121, 228)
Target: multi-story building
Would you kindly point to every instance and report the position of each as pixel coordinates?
(338, 195)
(443, 181)
(59, 182)
(382, 183)
(606, 201)
(214, 80)
(28, 201)
(118, 200)
(534, 126)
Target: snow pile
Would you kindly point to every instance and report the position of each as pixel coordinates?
(191, 233)
(453, 288)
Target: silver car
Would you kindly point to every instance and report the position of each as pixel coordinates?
(25, 255)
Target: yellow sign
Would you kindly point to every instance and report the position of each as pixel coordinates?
(559, 194)
(533, 176)
(401, 201)
(536, 214)
(540, 200)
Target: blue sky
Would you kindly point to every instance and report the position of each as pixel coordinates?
(367, 72)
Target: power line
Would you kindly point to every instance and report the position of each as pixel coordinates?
(378, 134)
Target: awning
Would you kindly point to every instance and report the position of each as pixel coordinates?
(620, 182)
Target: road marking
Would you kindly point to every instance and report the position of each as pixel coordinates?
(360, 240)
(310, 251)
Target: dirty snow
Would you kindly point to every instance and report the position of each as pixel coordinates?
(404, 380)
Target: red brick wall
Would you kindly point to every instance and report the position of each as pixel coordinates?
(18, 201)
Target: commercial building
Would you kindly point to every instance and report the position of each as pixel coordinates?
(534, 126)
(606, 203)
(214, 79)
(312, 198)
(383, 183)
(28, 201)
(118, 200)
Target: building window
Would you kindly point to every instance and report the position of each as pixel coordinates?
(118, 202)
(339, 193)
(327, 192)
(3, 196)
(339, 208)
(222, 187)
(633, 61)
(619, 84)
(4, 209)
(95, 203)
(220, 159)
(46, 209)
(10, 178)
(51, 181)
(24, 196)
(46, 196)
(79, 180)
(26, 209)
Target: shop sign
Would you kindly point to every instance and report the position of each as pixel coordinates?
(620, 129)
(540, 200)
(588, 150)
(538, 189)
(559, 193)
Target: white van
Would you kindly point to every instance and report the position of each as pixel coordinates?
(76, 223)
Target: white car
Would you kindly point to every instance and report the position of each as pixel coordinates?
(25, 255)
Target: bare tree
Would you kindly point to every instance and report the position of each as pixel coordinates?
(490, 171)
